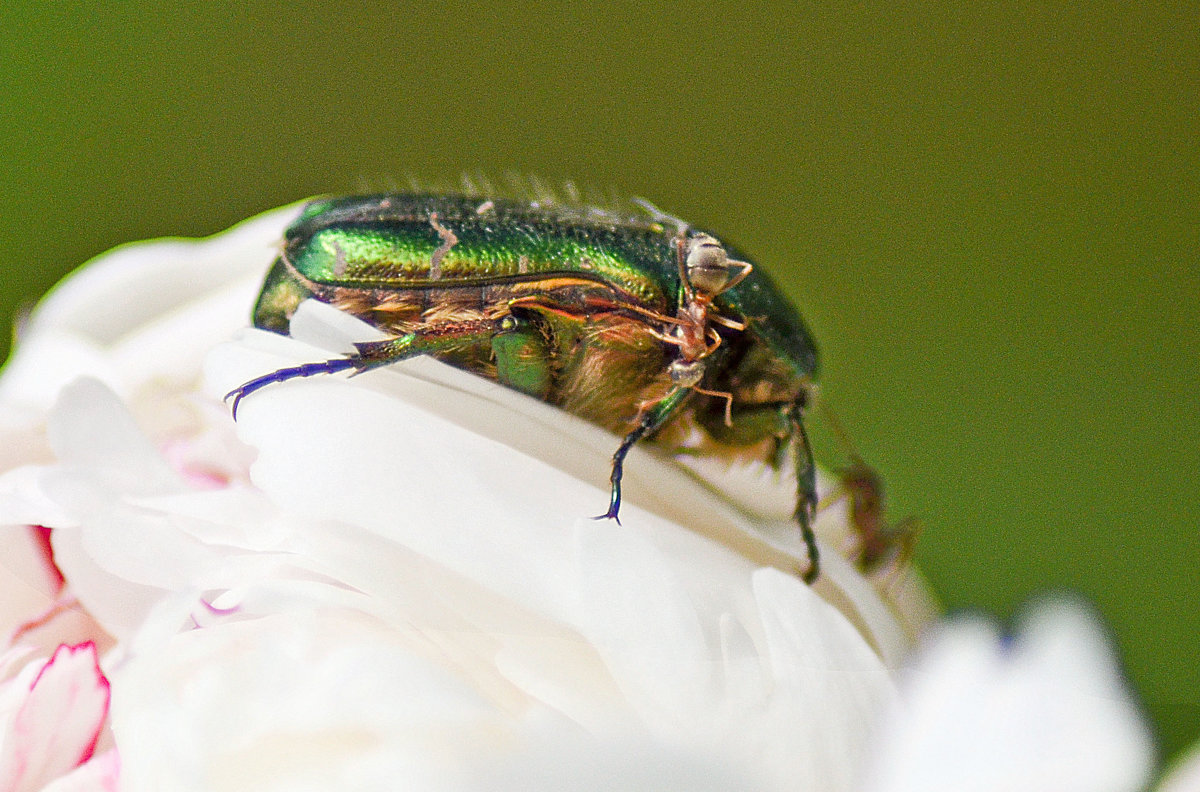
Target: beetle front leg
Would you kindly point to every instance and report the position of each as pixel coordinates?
(651, 419)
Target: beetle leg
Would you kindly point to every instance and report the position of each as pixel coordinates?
(373, 354)
(522, 357)
(806, 489)
(284, 374)
(650, 418)
(430, 338)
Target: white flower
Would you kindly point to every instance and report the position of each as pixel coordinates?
(391, 581)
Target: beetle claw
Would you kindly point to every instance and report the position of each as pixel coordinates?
(611, 514)
(236, 394)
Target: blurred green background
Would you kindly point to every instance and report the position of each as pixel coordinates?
(988, 213)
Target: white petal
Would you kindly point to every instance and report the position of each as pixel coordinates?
(91, 430)
(672, 629)
(151, 279)
(43, 363)
(555, 761)
(1047, 711)
(300, 700)
(828, 677)
(177, 299)
(114, 552)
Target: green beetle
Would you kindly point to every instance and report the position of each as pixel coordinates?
(640, 324)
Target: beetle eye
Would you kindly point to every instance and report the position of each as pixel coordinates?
(707, 265)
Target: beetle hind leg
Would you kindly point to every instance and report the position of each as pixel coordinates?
(285, 374)
(374, 354)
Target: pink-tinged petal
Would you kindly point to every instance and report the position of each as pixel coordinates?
(36, 611)
(120, 556)
(41, 537)
(62, 708)
(101, 773)
(129, 529)
(27, 585)
(198, 476)
(64, 604)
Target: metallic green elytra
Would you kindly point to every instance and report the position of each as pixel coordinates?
(635, 322)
